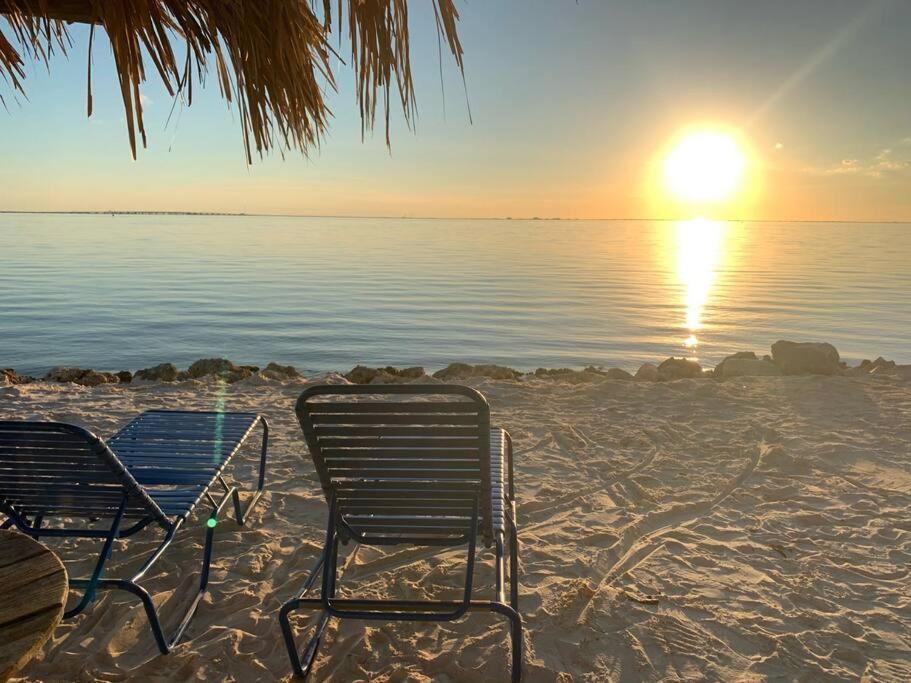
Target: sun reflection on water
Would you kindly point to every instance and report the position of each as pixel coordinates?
(700, 246)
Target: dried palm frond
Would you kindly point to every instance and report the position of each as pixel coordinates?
(271, 56)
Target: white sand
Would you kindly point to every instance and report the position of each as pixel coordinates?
(685, 530)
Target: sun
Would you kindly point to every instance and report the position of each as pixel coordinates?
(705, 167)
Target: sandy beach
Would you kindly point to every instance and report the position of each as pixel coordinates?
(693, 529)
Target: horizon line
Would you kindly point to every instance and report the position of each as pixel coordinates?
(141, 212)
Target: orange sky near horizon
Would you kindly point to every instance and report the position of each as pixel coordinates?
(778, 188)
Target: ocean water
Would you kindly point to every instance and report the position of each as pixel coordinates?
(127, 292)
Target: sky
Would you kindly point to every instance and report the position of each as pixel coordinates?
(573, 108)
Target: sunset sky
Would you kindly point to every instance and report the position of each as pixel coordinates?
(574, 107)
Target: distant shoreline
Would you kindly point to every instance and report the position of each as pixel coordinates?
(850, 221)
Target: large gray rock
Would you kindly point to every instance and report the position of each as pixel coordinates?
(402, 376)
(221, 368)
(806, 358)
(165, 372)
(276, 371)
(647, 373)
(62, 374)
(746, 367)
(679, 368)
(415, 372)
(361, 374)
(464, 371)
(93, 378)
(82, 376)
(743, 364)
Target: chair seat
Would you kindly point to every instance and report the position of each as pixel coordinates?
(177, 455)
(177, 503)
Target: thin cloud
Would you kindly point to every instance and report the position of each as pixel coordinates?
(882, 164)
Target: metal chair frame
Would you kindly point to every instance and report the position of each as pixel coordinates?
(338, 531)
(133, 491)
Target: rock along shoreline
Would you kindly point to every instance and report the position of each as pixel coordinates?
(786, 358)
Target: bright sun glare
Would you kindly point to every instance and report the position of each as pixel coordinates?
(705, 167)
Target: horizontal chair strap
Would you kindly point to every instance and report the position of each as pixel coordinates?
(396, 431)
(383, 452)
(405, 488)
(407, 507)
(364, 464)
(470, 442)
(8, 438)
(393, 419)
(410, 502)
(392, 407)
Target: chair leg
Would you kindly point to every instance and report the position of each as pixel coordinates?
(92, 584)
(515, 621)
(203, 585)
(513, 565)
(328, 562)
(313, 646)
(499, 606)
(498, 568)
(164, 642)
(303, 666)
(515, 633)
(36, 526)
(240, 513)
(161, 640)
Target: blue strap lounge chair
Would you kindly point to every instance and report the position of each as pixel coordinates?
(59, 480)
(411, 471)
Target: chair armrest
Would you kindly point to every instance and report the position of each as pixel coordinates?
(510, 469)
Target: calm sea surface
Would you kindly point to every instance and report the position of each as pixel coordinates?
(126, 292)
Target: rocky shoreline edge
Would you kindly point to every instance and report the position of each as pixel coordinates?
(786, 358)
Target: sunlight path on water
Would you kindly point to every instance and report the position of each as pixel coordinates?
(700, 246)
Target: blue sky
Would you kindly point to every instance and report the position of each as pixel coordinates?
(571, 103)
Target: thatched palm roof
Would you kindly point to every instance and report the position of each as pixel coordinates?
(270, 56)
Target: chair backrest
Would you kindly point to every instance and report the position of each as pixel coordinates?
(402, 468)
(61, 470)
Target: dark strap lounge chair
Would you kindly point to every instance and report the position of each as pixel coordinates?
(59, 480)
(412, 471)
